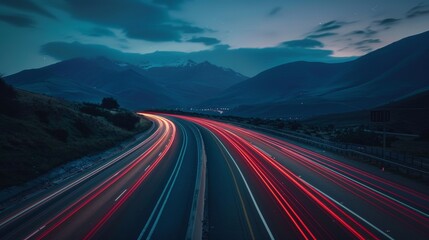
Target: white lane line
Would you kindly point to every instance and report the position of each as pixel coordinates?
(172, 178)
(372, 189)
(348, 210)
(195, 226)
(35, 232)
(120, 195)
(147, 167)
(269, 155)
(248, 188)
(78, 181)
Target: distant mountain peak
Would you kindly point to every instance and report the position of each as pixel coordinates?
(189, 63)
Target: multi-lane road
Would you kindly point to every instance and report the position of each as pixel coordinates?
(195, 178)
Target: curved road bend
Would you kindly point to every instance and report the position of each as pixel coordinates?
(256, 187)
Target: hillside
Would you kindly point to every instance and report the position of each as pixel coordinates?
(82, 79)
(38, 132)
(307, 89)
(90, 80)
(408, 115)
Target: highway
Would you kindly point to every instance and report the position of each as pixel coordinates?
(194, 178)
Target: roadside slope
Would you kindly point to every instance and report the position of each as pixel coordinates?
(38, 133)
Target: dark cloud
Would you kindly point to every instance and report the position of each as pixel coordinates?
(248, 61)
(387, 22)
(418, 10)
(137, 19)
(99, 32)
(274, 11)
(364, 48)
(174, 4)
(368, 32)
(208, 41)
(332, 25)
(366, 42)
(322, 35)
(18, 20)
(27, 5)
(303, 43)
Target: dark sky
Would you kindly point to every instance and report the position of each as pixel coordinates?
(246, 35)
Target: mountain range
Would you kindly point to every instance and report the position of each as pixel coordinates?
(293, 90)
(135, 87)
(307, 88)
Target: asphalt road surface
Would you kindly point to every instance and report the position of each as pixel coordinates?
(194, 178)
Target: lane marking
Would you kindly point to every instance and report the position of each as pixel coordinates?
(240, 196)
(248, 188)
(196, 216)
(81, 179)
(120, 195)
(348, 210)
(147, 167)
(35, 232)
(329, 168)
(170, 183)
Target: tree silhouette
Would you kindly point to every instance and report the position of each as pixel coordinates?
(109, 103)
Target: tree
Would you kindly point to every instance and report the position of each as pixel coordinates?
(6, 91)
(9, 104)
(109, 103)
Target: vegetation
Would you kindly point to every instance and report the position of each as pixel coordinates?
(358, 133)
(109, 103)
(8, 103)
(39, 133)
(123, 119)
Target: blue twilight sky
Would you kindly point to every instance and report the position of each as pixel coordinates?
(248, 36)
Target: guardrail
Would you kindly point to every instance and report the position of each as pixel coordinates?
(413, 164)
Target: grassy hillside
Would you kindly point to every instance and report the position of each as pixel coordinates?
(408, 115)
(38, 133)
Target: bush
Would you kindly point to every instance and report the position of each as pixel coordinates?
(294, 125)
(93, 110)
(364, 138)
(109, 103)
(43, 116)
(123, 120)
(82, 128)
(9, 105)
(6, 91)
(59, 134)
(126, 121)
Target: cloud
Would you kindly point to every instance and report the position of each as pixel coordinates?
(274, 11)
(419, 10)
(368, 32)
(387, 22)
(366, 42)
(208, 41)
(27, 5)
(248, 61)
(332, 25)
(365, 45)
(322, 35)
(18, 20)
(137, 19)
(173, 4)
(364, 48)
(99, 32)
(303, 43)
